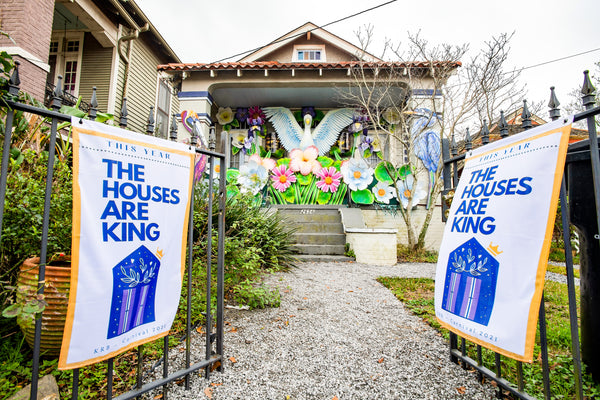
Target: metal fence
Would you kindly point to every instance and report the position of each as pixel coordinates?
(213, 330)
(459, 347)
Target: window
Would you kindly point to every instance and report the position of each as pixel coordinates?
(162, 109)
(309, 55)
(314, 53)
(65, 59)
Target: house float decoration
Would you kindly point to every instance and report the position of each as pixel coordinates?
(293, 138)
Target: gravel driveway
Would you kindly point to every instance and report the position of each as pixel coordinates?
(338, 334)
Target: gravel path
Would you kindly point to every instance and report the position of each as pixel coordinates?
(338, 334)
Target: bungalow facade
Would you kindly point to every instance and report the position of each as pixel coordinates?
(259, 102)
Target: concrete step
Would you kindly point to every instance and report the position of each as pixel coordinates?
(320, 238)
(323, 258)
(320, 227)
(314, 217)
(320, 249)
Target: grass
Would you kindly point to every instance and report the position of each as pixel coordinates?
(406, 254)
(418, 296)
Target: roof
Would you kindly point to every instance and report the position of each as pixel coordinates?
(273, 65)
(309, 29)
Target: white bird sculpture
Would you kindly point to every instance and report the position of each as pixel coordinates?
(324, 136)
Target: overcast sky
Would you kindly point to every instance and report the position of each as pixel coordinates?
(545, 30)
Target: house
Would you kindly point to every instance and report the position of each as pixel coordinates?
(256, 101)
(107, 44)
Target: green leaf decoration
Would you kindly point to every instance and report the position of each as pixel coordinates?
(227, 128)
(323, 198)
(367, 153)
(304, 179)
(318, 115)
(298, 115)
(12, 311)
(235, 123)
(381, 173)
(325, 161)
(279, 153)
(284, 161)
(232, 175)
(379, 155)
(232, 191)
(289, 194)
(404, 171)
(235, 150)
(363, 196)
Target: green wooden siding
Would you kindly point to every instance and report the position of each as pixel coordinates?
(95, 71)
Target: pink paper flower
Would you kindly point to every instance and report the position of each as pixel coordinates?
(330, 179)
(305, 160)
(268, 163)
(282, 178)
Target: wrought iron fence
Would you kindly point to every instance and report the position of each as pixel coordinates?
(469, 355)
(213, 356)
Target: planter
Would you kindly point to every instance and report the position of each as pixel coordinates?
(56, 295)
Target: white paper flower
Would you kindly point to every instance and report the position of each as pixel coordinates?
(225, 115)
(383, 192)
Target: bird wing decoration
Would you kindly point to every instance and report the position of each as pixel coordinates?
(326, 133)
(288, 130)
(428, 149)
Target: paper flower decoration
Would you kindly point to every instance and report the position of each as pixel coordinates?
(357, 174)
(268, 163)
(253, 177)
(224, 115)
(305, 161)
(256, 116)
(330, 179)
(283, 177)
(409, 191)
(392, 115)
(383, 192)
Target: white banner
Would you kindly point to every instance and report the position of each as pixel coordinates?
(131, 199)
(494, 253)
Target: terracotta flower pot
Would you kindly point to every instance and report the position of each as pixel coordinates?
(56, 295)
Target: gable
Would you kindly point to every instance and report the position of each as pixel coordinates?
(308, 37)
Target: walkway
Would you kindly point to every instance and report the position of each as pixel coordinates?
(338, 334)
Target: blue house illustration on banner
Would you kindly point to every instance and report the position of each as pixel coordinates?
(470, 285)
(134, 288)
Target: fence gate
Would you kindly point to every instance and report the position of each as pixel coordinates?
(576, 193)
(212, 354)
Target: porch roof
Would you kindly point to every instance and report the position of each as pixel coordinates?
(274, 65)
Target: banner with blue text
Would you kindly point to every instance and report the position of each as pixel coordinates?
(494, 253)
(131, 203)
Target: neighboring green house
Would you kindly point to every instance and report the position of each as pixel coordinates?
(107, 44)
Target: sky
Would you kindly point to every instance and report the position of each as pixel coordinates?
(545, 31)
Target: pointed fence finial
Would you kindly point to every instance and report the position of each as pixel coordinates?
(503, 125)
(553, 105)
(485, 133)
(468, 143)
(587, 90)
(15, 81)
(525, 117)
(212, 138)
(57, 95)
(173, 133)
(93, 105)
(453, 148)
(150, 125)
(123, 120)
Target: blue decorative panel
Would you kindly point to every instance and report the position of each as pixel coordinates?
(470, 285)
(134, 288)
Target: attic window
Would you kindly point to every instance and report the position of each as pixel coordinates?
(309, 53)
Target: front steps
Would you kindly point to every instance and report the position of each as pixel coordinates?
(320, 235)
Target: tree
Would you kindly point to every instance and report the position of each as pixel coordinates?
(424, 94)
